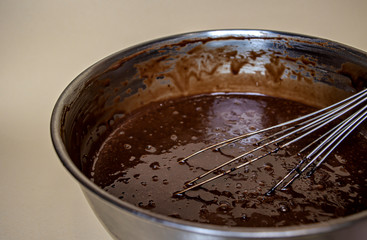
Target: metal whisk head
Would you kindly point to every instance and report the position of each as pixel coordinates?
(354, 107)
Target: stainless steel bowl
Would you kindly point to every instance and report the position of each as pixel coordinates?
(302, 68)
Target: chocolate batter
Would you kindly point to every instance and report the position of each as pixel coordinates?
(138, 163)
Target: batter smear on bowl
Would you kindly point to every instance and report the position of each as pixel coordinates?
(138, 163)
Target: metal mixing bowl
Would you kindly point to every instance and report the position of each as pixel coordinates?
(302, 68)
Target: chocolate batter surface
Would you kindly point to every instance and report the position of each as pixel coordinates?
(138, 163)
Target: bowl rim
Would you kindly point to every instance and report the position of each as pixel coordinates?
(202, 228)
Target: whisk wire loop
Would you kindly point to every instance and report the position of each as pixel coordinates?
(295, 130)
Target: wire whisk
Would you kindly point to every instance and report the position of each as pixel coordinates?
(348, 113)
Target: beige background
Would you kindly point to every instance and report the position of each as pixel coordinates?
(45, 44)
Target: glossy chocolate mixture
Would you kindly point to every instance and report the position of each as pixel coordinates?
(138, 163)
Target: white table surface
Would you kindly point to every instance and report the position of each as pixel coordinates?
(45, 44)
